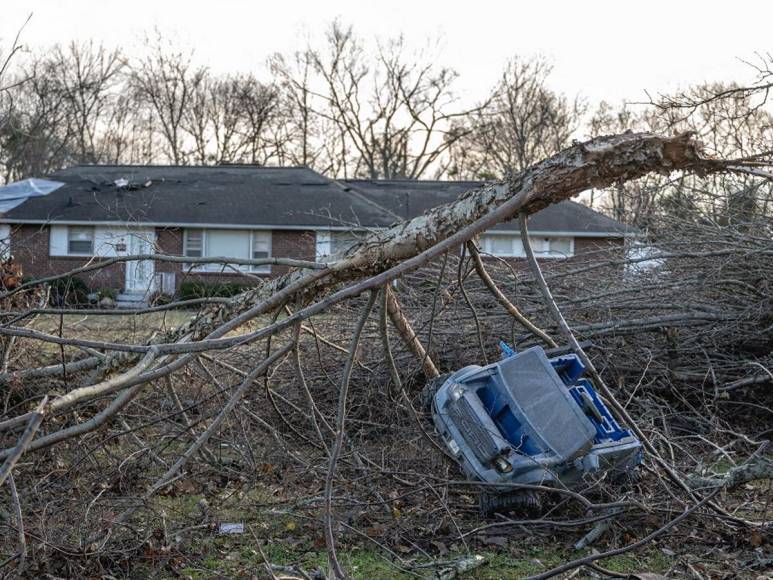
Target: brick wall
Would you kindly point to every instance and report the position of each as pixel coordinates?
(299, 244)
(599, 248)
(30, 247)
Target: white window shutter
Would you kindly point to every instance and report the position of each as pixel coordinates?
(57, 241)
(5, 240)
(323, 245)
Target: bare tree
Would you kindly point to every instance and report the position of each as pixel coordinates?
(166, 82)
(129, 133)
(300, 132)
(523, 121)
(37, 136)
(90, 77)
(391, 111)
(229, 120)
(6, 59)
(260, 140)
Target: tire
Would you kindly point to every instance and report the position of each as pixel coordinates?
(524, 502)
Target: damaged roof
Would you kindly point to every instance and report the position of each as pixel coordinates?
(216, 195)
(253, 196)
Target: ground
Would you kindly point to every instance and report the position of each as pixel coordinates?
(186, 542)
(280, 538)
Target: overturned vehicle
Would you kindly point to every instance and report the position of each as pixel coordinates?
(529, 419)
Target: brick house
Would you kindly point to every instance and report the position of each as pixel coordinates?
(94, 212)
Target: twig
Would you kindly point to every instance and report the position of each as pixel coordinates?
(24, 441)
(502, 299)
(335, 566)
(19, 526)
(600, 556)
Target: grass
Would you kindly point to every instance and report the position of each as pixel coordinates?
(124, 328)
(120, 327)
(289, 541)
(111, 327)
(234, 559)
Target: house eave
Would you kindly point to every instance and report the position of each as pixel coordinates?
(307, 227)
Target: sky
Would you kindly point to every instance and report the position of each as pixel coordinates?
(603, 50)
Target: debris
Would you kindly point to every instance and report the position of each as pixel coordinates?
(228, 529)
(449, 569)
(499, 541)
(596, 532)
(203, 507)
(462, 566)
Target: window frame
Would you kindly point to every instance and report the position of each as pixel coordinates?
(327, 239)
(216, 268)
(559, 255)
(186, 242)
(90, 229)
(253, 234)
(486, 245)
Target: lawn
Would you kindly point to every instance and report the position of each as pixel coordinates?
(123, 326)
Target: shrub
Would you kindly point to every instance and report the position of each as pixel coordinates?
(194, 289)
(106, 293)
(69, 291)
(160, 299)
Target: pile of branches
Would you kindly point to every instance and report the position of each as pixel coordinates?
(299, 401)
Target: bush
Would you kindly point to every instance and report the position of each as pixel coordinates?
(160, 299)
(194, 289)
(69, 292)
(106, 293)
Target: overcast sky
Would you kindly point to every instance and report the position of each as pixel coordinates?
(611, 50)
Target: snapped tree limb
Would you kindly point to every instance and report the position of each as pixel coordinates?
(405, 246)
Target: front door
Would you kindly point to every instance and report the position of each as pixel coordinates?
(139, 273)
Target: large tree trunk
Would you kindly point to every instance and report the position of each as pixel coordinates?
(597, 163)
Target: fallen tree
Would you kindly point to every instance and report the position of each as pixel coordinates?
(385, 255)
(232, 346)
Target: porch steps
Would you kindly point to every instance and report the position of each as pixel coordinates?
(131, 300)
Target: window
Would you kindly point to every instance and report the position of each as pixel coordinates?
(194, 243)
(333, 243)
(510, 246)
(506, 245)
(227, 244)
(261, 248)
(239, 244)
(341, 241)
(561, 247)
(80, 240)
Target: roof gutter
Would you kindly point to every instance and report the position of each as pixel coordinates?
(565, 233)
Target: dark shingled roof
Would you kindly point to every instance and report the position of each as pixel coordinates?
(249, 195)
(221, 195)
(409, 198)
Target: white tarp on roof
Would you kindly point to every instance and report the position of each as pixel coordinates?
(18, 192)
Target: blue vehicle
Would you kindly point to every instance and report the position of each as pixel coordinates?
(529, 419)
